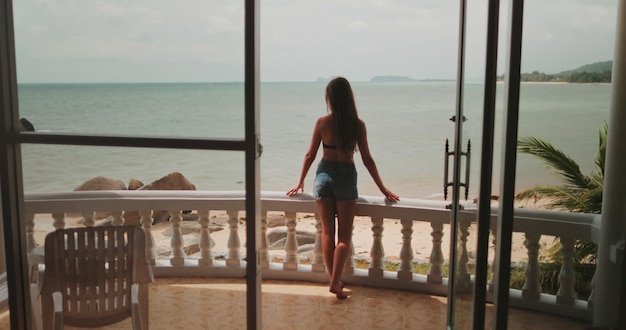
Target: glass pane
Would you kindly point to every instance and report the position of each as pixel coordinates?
(51, 168)
(564, 101)
(471, 137)
(132, 68)
(400, 60)
(5, 313)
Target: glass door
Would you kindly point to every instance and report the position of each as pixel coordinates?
(13, 143)
(471, 153)
(459, 288)
(476, 98)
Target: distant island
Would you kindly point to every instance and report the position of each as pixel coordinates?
(389, 79)
(383, 79)
(599, 72)
(322, 80)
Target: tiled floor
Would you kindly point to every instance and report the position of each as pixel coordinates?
(202, 303)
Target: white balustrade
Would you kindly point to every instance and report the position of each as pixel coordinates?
(492, 281)
(464, 283)
(116, 218)
(567, 294)
(264, 253)
(233, 259)
(205, 242)
(435, 271)
(88, 220)
(377, 253)
(532, 288)
(291, 243)
(348, 267)
(31, 243)
(533, 223)
(405, 272)
(318, 256)
(591, 298)
(59, 220)
(178, 254)
(146, 221)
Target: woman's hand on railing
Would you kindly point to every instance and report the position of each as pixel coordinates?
(294, 191)
(389, 196)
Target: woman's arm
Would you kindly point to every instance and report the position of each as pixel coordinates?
(309, 157)
(370, 164)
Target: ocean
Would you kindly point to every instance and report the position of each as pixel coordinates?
(407, 124)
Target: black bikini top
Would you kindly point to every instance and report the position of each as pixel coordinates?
(328, 146)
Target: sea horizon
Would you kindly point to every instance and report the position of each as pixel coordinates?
(408, 123)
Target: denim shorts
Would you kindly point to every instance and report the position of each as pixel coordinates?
(335, 180)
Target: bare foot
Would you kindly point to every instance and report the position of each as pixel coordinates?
(339, 293)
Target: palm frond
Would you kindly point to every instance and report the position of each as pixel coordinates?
(601, 156)
(585, 251)
(578, 194)
(591, 201)
(596, 180)
(565, 167)
(556, 197)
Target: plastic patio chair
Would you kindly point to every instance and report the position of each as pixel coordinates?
(94, 277)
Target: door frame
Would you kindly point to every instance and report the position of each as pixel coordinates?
(11, 166)
(507, 181)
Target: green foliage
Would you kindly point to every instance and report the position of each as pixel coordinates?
(549, 278)
(599, 72)
(589, 77)
(593, 67)
(577, 193)
(574, 77)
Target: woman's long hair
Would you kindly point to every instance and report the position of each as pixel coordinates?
(341, 103)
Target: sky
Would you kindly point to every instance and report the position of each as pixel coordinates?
(203, 40)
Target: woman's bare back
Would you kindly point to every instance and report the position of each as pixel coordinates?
(326, 127)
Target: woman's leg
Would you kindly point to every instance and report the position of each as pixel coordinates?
(345, 219)
(326, 207)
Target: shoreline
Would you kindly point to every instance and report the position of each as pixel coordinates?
(559, 83)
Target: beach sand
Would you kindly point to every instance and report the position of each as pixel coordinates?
(362, 236)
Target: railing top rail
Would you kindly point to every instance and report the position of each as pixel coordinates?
(545, 222)
(526, 220)
(77, 201)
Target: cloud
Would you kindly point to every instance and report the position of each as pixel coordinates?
(300, 40)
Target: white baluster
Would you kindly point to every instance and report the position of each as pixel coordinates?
(291, 243)
(566, 294)
(117, 218)
(591, 299)
(232, 257)
(59, 220)
(494, 264)
(264, 254)
(435, 271)
(532, 287)
(318, 256)
(178, 254)
(146, 224)
(31, 243)
(88, 220)
(464, 283)
(348, 267)
(206, 254)
(406, 252)
(377, 253)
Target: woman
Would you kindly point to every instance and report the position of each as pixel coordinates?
(341, 133)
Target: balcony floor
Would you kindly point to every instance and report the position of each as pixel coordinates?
(213, 303)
